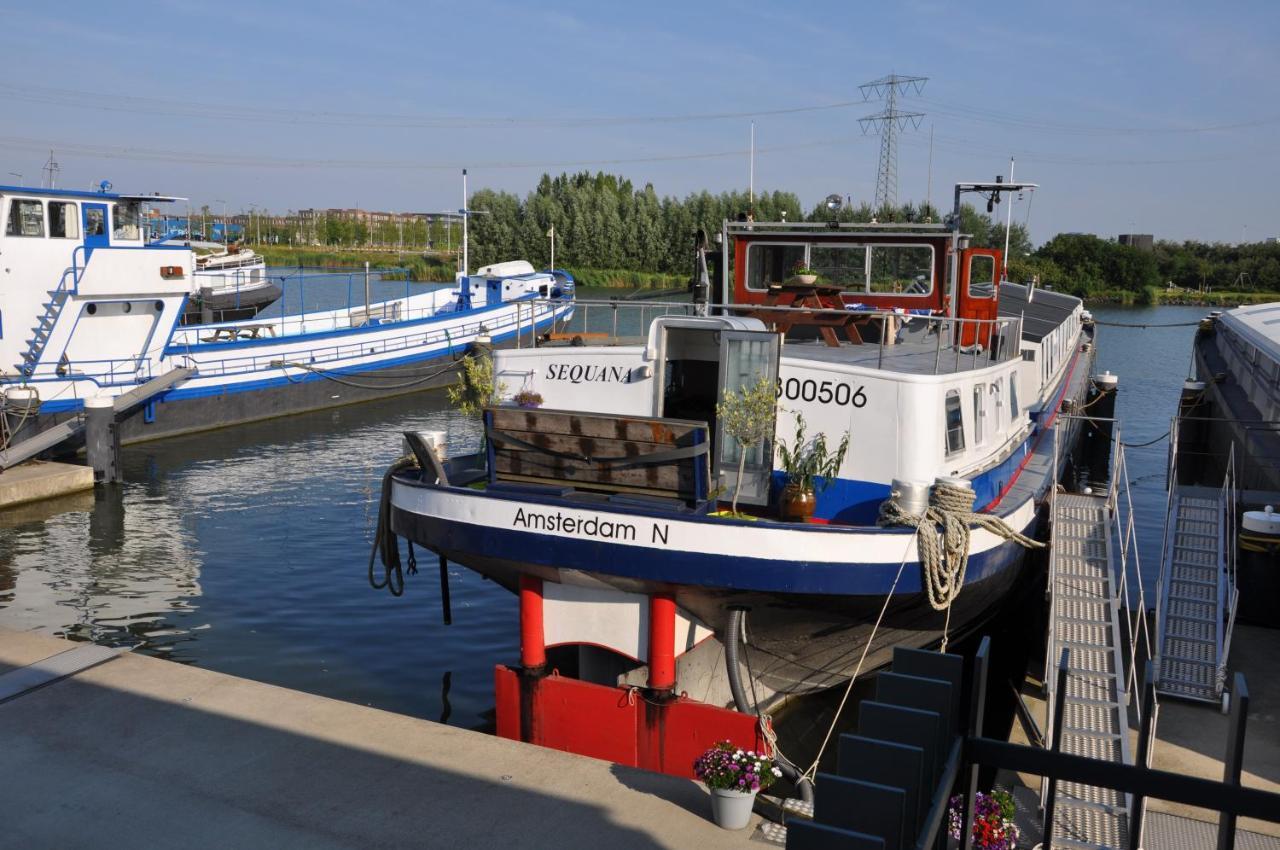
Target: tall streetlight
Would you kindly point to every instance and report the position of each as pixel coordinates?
(257, 233)
(225, 233)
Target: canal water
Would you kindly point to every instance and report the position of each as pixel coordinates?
(246, 550)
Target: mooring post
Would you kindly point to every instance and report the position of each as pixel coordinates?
(533, 648)
(1059, 699)
(976, 718)
(102, 440)
(1234, 761)
(206, 309)
(1148, 708)
(662, 642)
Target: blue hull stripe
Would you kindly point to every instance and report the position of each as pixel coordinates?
(707, 569)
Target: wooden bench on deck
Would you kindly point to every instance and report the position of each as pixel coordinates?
(663, 460)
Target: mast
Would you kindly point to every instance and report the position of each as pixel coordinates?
(464, 222)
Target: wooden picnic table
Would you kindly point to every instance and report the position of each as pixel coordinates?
(807, 299)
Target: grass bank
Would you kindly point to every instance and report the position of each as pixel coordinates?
(624, 279)
(421, 268)
(1155, 296)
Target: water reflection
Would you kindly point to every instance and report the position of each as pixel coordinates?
(244, 550)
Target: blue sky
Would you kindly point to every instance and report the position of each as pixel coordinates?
(1134, 117)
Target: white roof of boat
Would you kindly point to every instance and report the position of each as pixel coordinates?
(87, 194)
(1259, 324)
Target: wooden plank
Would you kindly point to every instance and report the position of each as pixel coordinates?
(25, 679)
(666, 477)
(635, 428)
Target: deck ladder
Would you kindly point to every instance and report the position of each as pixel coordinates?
(44, 325)
(1198, 596)
(1092, 541)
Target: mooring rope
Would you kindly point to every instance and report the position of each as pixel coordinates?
(325, 373)
(1148, 325)
(942, 540)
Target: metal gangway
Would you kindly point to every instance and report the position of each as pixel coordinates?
(1198, 597)
(1092, 543)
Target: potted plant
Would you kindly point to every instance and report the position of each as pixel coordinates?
(993, 826)
(476, 388)
(734, 776)
(802, 274)
(527, 398)
(808, 467)
(747, 415)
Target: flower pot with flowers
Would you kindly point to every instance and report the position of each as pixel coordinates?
(734, 776)
(993, 826)
(803, 275)
(527, 399)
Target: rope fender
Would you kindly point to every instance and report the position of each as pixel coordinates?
(942, 537)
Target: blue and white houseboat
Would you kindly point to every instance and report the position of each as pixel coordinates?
(604, 509)
(89, 310)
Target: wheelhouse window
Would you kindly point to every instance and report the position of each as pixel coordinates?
(955, 423)
(905, 269)
(124, 221)
(26, 218)
(852, 266)
(1013, 398)
(773, 265)
(982, 276)
(94, 221)
(64, 220)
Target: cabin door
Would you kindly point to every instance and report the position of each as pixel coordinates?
(979, 295)
(95, 227)
(745, 358)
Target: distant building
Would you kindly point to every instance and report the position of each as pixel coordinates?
(1141, 241)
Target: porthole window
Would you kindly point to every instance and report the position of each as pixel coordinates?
(954, 423)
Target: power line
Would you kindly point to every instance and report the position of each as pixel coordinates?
(227, 112)
(89, 151)
(887, 123)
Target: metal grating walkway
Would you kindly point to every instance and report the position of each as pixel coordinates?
(1192, 594)
(1086, 621)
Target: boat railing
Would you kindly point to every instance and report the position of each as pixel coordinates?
(499, 327)
(108, 372)
(617, 321)
(1171, 487)
(1230, 542)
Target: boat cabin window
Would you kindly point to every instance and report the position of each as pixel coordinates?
(94, 221)
(1013, 398)
(768, 265)
(855, 267)
(64, 221)
(979, 412)
(955, 423)
(906, 269)
(124, 220)
(982, 276)
(26, 218)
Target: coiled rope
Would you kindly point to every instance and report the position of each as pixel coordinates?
(942, 540)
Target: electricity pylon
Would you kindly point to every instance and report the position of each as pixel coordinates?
(887, 123)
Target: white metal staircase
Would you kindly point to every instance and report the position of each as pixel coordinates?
(1198, 597)
(44, 325)
(1092, 541)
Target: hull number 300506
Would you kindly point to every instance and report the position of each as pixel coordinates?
(824, 392)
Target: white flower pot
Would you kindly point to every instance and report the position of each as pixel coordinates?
(732, 809)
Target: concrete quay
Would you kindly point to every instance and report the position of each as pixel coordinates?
(139, 751)
(37, 480)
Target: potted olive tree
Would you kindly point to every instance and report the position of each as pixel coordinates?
(747, 415)
(476, 388)
(808, 465)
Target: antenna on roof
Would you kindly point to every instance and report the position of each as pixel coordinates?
(50, 172)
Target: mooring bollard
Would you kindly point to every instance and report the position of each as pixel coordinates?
(206, 308)
(102, 440)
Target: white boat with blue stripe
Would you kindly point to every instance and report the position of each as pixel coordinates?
(613, 492)
(88, 310)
